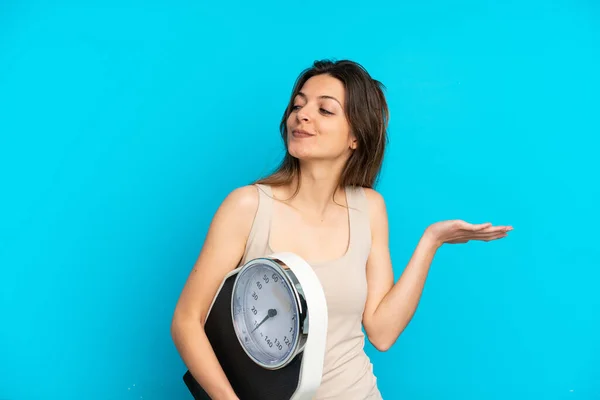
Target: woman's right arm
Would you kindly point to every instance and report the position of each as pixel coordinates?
(221, 252)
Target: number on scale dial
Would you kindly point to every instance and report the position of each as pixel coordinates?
(266, 314)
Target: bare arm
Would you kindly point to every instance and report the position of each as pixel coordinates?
(390, 307)
(222, 251)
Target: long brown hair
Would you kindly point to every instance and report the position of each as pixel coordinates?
(367, 113)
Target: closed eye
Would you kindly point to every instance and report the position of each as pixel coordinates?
(324, 111)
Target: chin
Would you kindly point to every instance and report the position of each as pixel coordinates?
(300, 152)
(303, 150)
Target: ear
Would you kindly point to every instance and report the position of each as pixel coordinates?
(353, 143)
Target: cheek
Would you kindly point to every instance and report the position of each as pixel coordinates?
(338, 135)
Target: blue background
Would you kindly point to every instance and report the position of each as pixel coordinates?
(124, 124)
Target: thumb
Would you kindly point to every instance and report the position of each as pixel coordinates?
(480, 227)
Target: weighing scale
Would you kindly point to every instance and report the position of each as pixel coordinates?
(267, 325)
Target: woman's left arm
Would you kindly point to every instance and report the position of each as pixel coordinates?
(390, 307)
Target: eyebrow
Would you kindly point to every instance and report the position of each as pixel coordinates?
(322, 97)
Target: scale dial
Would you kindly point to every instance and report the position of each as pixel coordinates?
(269, 313)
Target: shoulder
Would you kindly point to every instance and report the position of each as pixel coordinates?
(377, 211)
(245, 197)
(241, 201)
(239, 207)
(375, 201)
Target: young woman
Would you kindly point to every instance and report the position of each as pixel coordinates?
(321, 205)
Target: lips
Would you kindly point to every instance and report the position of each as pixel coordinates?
(299, 133)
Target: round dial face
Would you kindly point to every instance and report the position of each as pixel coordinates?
(265, 314)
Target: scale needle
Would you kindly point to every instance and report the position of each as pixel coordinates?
(270, 314)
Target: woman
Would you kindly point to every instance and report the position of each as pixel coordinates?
(320, 204)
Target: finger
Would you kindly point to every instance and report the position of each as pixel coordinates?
(492, 229)
(465, 226)
(480, 227)
(490, 236)
(482, 235)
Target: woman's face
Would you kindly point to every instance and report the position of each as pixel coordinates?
(317, 128)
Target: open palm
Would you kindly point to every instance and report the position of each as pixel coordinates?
(459, 231)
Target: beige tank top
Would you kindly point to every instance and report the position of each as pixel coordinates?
(348, 372)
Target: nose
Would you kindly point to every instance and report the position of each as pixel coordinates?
(303, 114)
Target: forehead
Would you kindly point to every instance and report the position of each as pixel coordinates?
(324, 85)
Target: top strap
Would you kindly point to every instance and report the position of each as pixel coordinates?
(258, 237)
(360, 221)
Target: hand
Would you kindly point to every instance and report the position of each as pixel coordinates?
(458, 231)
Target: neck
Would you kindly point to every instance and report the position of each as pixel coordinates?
(318, 186)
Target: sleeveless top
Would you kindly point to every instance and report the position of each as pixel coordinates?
(347, 370)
